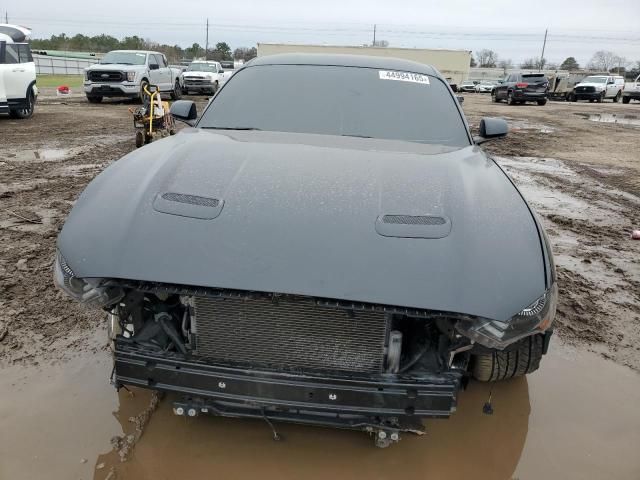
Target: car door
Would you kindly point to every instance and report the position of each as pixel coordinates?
(155, 72)
(17, 75)
(611, 88)
(165, 73)
(501, 89)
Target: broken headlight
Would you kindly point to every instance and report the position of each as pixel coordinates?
(91, 291)
(536, 318)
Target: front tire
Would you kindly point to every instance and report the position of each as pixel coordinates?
(523, 358)
(601, 98)
(510, 99)
(26, 111)
(617, 97)
(143, 84)
(176, 93)
(94, 99)
(542, 102)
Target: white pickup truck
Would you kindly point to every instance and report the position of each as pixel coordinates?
(125, 73)
(18, 91)
(631, 91)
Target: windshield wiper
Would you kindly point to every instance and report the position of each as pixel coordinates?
(231, 128)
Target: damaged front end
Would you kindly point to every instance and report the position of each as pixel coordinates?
(290, 358)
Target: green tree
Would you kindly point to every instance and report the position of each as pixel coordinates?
(570, 64)
(246, 54)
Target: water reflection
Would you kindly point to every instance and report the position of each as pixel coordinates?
(468, 445)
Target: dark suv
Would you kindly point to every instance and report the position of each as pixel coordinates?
(522, 87)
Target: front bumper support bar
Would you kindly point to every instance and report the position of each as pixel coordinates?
(333, 400)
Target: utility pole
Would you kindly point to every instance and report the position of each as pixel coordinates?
(6, 16)
(206, 47)
(544, 44)
(374, 35)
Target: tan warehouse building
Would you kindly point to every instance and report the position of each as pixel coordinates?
(452, 64)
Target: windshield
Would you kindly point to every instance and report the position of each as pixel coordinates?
(334, 100)
(595, 80)
(126, 58)
(202, 67)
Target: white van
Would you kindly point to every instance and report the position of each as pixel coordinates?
(599, 87)
(18, 91)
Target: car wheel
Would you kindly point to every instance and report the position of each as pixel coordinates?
(176, 93)
(494, 96)
(591, 100)
(216, 85)
(617, 97)
(574, 98)
(94, 99)
(601, 98)
(523, 358)
(143, 84)
(626, 99)
(26, 111)
(510, 99)
(542, 102)
(139, 139)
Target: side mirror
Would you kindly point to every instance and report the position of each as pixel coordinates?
(220, 71)
(491, 128)
(154, 66)
(184, 111)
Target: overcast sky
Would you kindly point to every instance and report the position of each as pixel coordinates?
(513, 29)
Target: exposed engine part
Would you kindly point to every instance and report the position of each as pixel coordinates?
(394, 351)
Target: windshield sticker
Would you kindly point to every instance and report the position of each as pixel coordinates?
(403, 77)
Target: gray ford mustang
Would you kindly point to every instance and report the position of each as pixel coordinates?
(329, 245)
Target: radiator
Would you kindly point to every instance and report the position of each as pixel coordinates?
(292, 333)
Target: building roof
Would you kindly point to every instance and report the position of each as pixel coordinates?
(341, 60)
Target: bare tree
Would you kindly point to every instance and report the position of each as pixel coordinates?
(505, 64)
(620, 64)
(603, 60)
(381, 43)
(487, 58)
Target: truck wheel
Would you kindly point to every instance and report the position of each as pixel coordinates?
(494, 97)
(143, 84)
(26, 111)
(94, 99)
(216, 85)
(510, 99)
(617, 97)
(542, 102)
(601, 98)
(524, 357)
(176, 93)
(626, 99)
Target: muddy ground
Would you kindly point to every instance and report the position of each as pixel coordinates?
(582, 177)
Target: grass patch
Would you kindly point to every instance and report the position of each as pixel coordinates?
(73, 81)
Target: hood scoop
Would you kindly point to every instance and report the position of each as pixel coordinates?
(185, 205)
(413, 226)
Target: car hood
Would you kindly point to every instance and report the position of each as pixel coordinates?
(115, 66)
(198, 74)
(301, 214)
(589, 84)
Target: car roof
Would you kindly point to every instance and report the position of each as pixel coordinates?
(344, 60)
(137, 51)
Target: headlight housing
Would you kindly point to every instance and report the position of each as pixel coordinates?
(536, 318)
(131, 76)
(91, 291)
(86, 75)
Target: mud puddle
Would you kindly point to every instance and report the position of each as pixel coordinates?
(612, 118)
(574, 418)
(40, 155)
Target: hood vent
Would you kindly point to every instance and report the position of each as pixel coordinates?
(413, 220)
(191, 199)
(185, 205)
(413, 226)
